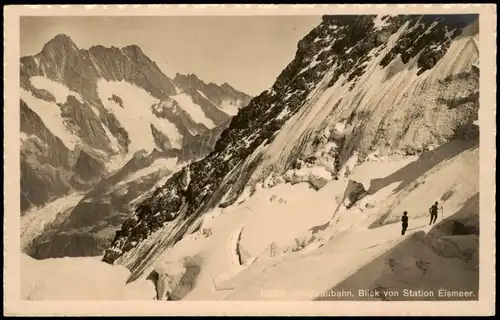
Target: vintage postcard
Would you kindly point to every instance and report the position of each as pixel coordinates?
(249, 160)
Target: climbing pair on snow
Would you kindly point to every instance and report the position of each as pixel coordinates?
(433, 210)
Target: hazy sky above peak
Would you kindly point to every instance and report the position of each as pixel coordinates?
(248, 52)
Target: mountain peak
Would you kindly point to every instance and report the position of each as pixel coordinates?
(226, 85)
(188, 76)
(194, 79)
(134, 48)
(62, 37)
(60, 40)
(190, 80)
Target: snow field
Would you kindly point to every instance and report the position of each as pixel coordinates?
(57, 89)
(136, 116)
(50, 113)
(194, 110)
(229, 108)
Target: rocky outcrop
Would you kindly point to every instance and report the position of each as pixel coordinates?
(317, 177)
(61, 245)
(38, 189)
(81, 120)
(354, 192)
(170, 110)
(88, 168)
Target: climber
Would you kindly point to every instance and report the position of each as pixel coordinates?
(404, 220)
(434, 212)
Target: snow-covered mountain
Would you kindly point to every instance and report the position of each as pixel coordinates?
(107, 117)
(375, 115)
(359, 88)
(86, 112)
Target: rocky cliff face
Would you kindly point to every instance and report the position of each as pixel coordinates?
(86, 112)
(359, 87)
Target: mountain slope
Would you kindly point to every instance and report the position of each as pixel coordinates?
(359, 87)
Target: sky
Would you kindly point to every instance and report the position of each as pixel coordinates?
(248, 52)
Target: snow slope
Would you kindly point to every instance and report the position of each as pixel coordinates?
(299, 242)
(50, 113)
(290, 242)
(115, 146)
(378, 100)
(463, 53)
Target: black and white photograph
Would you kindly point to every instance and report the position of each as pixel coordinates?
(331, 156)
